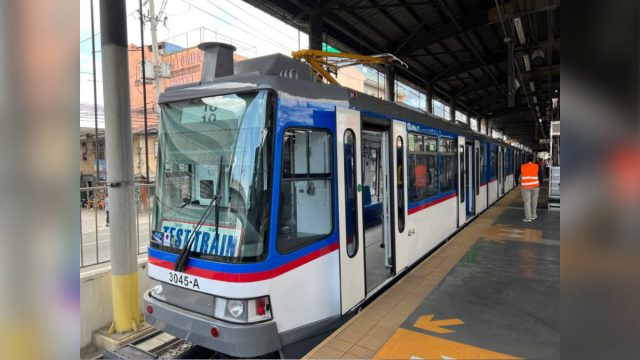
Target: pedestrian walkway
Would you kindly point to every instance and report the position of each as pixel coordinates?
(492, 292)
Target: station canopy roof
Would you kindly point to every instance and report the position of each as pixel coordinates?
(455, 48)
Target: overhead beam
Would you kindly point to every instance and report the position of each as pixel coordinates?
(378, 6)
(449, 30)
(488, 84)
(469, 44)
(511, 10)
(529, 75)
(472, 22)
(468, 66)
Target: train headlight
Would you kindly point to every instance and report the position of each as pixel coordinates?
(157, 292)
(243, 310)
(236, 308)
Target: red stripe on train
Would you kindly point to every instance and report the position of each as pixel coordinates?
(249, 277)
(431, 203)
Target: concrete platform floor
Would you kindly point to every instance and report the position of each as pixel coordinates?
(492, 292)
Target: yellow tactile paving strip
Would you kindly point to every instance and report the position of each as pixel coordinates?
(363, 335)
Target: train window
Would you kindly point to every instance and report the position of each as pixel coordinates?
(430, 144)
(400, 182)
(415, 142)
(505, 165)
(448, 169)
(306, 200)
(494, 162)
(351, 208)
(422, 167)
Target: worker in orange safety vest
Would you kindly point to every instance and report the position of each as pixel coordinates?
(530, 180)
(420, 180)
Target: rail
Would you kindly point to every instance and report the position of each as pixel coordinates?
(94, 232)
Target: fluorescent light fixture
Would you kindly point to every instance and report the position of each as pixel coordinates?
(535, 99)
(519, 29)
(532, 86)
(539, 119)
(527, 64)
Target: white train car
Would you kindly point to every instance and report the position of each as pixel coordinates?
(284, 204)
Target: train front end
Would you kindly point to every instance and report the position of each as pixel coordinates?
(213, 193)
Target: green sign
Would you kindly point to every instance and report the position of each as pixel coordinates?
(329, 48)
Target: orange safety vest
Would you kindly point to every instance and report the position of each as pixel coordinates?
(421, 176)
(529, 175)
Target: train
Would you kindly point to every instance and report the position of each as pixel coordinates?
(284, 204)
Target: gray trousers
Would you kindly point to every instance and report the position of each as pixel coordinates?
(530, 197)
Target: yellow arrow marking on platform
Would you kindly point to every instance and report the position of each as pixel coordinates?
(407, 344)
(426, 322)
(501, 232)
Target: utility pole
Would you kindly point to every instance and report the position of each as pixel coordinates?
(144, 94)
(154, 48)
(120, 180)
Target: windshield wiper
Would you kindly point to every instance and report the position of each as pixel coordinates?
(215, 200)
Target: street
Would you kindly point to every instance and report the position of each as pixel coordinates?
(93, 234)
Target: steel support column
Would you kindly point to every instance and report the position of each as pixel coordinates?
(452, 109)
(315, 30)
(390, 83)
(119, 152)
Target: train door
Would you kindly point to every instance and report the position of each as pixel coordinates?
(352, 270)
(462, 171)
(505, 162)
(402, 235)
(378, 252)
(469, 180)
(500, 169)
(477, 175)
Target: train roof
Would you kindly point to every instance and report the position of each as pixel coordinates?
(293, 78)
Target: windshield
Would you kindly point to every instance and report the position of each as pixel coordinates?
(215, 146)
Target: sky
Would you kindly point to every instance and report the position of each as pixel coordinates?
(253, 32)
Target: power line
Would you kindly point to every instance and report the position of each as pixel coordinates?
(98, 34)
(255, 17)
(278, 45)
(164, 5)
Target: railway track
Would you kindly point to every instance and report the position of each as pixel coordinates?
(160, 345)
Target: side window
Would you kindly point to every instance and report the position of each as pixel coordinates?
(305, 205)
(400, 181)
(494, 162)
(448, 174)
(350, 186)
(505, 163)
(422, 166)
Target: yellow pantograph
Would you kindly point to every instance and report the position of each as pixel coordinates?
(326, 64)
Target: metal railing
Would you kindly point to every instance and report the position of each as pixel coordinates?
(94, 232)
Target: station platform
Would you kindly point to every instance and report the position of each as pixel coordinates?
(491, 292)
